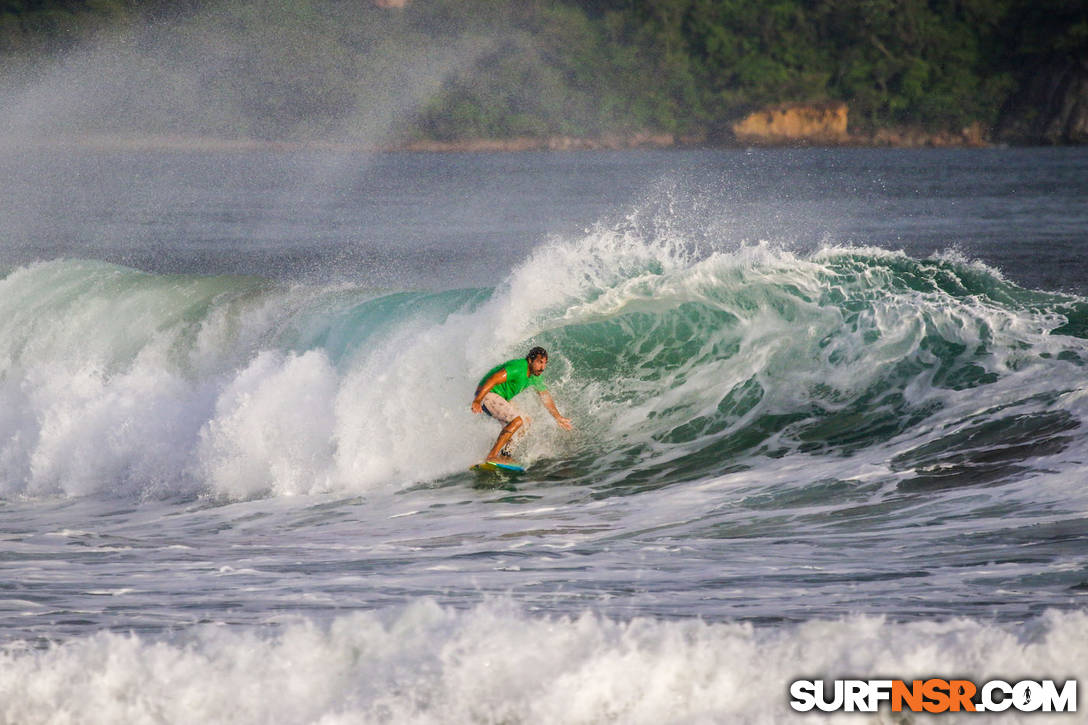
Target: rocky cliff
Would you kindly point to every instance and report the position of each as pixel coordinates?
(824, 123)
(1052, 107)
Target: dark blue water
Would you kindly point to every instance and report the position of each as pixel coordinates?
(439, 217)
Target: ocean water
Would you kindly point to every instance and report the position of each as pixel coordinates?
(830, 422)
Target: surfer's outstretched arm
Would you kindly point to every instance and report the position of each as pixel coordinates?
(546, 398)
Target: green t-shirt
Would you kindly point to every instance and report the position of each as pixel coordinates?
(517, 378)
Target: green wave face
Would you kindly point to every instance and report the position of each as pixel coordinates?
(675, 365)
(758, 353)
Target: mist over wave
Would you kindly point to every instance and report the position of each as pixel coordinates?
(673, 359)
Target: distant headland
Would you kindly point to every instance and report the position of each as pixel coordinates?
(509, 75)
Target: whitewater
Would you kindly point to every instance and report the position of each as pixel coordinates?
(829, 419)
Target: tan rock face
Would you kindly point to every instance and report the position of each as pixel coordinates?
(803, 123)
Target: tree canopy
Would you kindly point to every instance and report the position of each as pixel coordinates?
(506, 68)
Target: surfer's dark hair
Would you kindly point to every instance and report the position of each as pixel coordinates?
(535, 353)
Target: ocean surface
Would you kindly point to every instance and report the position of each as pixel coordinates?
(829, 413)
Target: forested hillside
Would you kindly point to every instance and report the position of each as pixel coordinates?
(455, 69)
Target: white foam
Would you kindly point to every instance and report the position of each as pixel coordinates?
(272, 428)
(495, 663)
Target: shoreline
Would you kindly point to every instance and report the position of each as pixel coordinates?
(885, 138)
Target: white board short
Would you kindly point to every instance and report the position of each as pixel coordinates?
(501, 409)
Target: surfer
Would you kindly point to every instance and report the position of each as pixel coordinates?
(501, 384)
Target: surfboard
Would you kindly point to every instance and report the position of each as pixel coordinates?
(488, 466)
